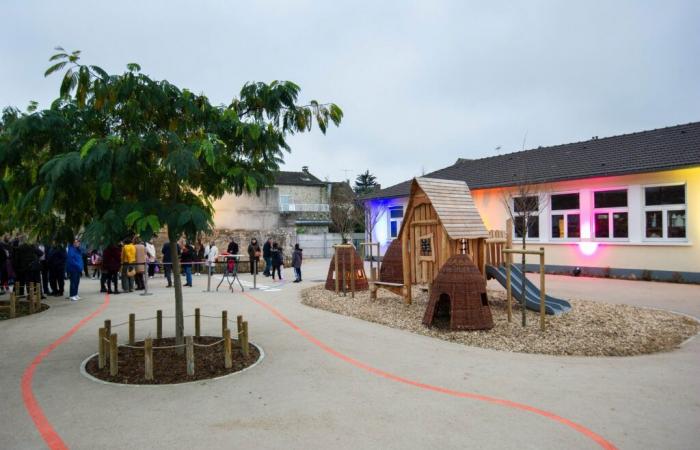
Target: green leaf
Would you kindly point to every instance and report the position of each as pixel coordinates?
(106, 190)
(185, 216)
(132, 217)
(153, 222)
(133, 67)
(55, 67)
(85, 149)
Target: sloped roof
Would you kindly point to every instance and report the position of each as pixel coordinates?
(454, 206)
(297, 179)
(642, 152)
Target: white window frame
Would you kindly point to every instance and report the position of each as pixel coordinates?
(539, 214)
(565, 213)
(398, 220)
(664, 209)
(610, 212)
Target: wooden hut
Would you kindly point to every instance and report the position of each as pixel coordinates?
(391, 270)
(441, 221)
(351, 270)
(458, 297)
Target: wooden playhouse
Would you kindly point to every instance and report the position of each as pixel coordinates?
(441, 221)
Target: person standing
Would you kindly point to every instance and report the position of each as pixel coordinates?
(199, 252)
(140, 264)
(296, 262)
(44, 268)
(267, 256)
(188, 258)
(253, 255)
(232, 248)
(167, 262)
(74, 266)
(56, 260)
(111, 262)
(211, 253)
(151, 258)
(128, 270)
(276, 260)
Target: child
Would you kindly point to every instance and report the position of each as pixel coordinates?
(296, 263)
(96, 262)
(276, 258)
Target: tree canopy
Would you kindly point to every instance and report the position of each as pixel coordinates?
(365, 183)
(124, 153)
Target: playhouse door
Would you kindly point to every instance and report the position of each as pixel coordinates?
(424, 239)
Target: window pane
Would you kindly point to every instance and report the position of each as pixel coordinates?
(654, 225)
(664, 195)
(396, 212)
(531, 203)
(610, 199)
(425, 247)
(557, 226)
(394, 228)
(573, 226)
(565, 201)
(620, 225)
(533, 229)
(676, 224)
(518, 226)
(601, 225)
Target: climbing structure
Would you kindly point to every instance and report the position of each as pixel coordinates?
(458, 297)
(349, 264)
(391, 270)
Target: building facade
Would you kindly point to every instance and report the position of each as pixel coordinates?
(624, 206)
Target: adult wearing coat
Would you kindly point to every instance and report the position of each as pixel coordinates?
(111, 263)
(296, 262)
(56, 260)
(211, 252)
(254, 255)
(140, 265)
(167, 262)
(267, 256)
(128, 261)
(74, 267)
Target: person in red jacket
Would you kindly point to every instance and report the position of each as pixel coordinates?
(111, 263)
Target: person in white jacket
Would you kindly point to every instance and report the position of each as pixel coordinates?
(151, 258)
(211, 252)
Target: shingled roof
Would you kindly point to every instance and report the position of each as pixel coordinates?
(642, 152)
(303, 178)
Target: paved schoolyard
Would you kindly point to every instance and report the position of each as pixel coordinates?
(343, 383)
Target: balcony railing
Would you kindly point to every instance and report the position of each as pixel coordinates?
(304, 207)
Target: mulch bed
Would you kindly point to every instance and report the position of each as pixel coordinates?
(169, 367)
(589, 329)
(22, 309)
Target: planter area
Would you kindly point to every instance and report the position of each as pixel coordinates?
(22, 309)
(590, 329)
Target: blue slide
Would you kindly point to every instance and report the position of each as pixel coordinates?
(532, 293)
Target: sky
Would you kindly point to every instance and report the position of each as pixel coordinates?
(421, 83)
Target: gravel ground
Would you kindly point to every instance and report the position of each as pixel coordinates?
(590, 329)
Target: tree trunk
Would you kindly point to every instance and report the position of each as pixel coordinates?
(177, 284)
(522, 286)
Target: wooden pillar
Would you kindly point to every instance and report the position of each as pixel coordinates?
(197, 323)
(228, 362)
(509, 290)
(189, 354)
(13, 305)
(354, 273)
(159, 324)
(542, 288)
(244, 340)
(148, 358)
(132, 328)
(224, 321)
(337, 271)
(113, 355)
(30, 296)
(482, 256)
(406, 260)
(101, 348)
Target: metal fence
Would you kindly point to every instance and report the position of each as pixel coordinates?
(321, 245)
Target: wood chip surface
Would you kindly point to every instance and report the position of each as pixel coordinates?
(589, 329)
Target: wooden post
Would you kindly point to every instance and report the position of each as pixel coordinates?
(373, 273)
(542, 294)
(354, 273)
(337, 271)
(228, 363)
(132, 328)
(30, 296)
(101, 348)
(13, 305)
(148, 358)
(509, 262)
(224, 321)
(509, 291)
(244, 340)
(189, 354)
(108, 333)
(197, 323)
(159, 324)
(113, 355)
(406, 269)
(37, 296)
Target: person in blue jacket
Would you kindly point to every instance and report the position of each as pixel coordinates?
(74, 267)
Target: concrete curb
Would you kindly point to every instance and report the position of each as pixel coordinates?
(97, 380)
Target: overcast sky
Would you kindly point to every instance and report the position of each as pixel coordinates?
(421, 83)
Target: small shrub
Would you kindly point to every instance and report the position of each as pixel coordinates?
(646, 275)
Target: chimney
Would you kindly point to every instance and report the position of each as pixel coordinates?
(305, 169)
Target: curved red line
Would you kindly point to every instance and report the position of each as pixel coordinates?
(48, 433)
(602, 442)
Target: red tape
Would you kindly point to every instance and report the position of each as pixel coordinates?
(48, 433)
(373, 370)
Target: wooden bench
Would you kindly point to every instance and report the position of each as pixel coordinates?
(396, 288)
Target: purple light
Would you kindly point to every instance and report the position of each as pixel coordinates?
(588, 248)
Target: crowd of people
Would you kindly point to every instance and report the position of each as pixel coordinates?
(126, 263)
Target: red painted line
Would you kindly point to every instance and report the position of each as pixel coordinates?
(48, 433)
(461, 394)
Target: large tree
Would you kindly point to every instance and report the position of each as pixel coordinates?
(130, 153)
(365, 183)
